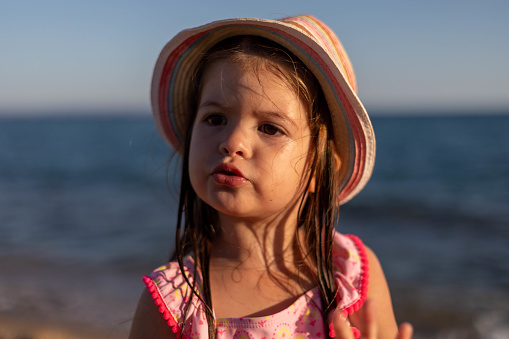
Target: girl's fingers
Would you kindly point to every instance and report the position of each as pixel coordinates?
(405, 331)
(341, 328)
(369, 321)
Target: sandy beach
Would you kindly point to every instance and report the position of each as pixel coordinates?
(12, 327)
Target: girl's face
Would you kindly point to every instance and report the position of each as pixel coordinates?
(249, 144)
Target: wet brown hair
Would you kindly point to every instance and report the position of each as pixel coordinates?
(318, 211)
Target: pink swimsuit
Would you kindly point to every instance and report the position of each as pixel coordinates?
(302, 319)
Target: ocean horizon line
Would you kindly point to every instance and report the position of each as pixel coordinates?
(146, 113)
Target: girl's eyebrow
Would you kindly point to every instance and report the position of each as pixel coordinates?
(277, 115)
(211, 103)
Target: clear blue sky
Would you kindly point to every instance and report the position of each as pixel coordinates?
(94, 56)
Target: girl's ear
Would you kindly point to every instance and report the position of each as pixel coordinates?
(312, 182)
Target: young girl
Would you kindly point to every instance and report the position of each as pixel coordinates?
(273, 139)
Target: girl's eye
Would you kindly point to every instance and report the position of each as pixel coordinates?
(269, 129)
(215, 120)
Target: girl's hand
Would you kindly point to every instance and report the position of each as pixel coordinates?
(368, 325)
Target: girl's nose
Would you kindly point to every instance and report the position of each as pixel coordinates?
(235, 143)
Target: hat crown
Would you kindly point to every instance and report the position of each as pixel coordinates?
(328, 40)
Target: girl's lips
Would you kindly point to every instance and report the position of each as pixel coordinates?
(228, 175)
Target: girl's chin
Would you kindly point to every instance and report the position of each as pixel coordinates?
(236, 212)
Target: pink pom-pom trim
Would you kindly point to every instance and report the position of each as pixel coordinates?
(355, 331)
(163, 309)
(332, 333)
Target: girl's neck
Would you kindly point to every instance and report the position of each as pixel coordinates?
(245, 244)
(259, 265)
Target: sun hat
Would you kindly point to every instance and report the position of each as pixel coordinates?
(308, 39)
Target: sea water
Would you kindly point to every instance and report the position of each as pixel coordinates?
(87, 206)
